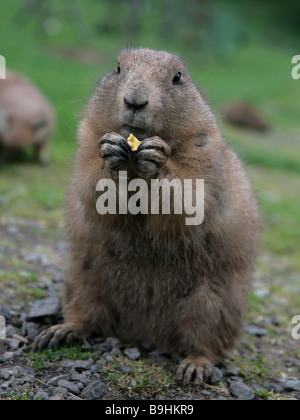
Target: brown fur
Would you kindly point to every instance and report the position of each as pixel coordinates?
(26, 117)
(151, 278)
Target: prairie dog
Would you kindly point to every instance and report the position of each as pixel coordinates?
(26, 117)
(151, 278)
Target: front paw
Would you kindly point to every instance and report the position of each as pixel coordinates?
(115, 151)
(151, 157)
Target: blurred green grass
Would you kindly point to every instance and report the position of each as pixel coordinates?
(258, 74)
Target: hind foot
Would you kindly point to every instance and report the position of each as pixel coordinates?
(194, 369)
(55, 336)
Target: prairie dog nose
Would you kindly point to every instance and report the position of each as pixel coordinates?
(135, 103)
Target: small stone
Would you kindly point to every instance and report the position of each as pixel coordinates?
(66, 363)
(41, 395)
(115, 352)
(233, 371)
(108, 357)
(112, 342)
(45, 307)
(81, 377)
(32, 331)
(8, 355)
(125, 369)
(206, 393)
(241, 391)
(215, 376)
(58, 397)
(69, 386)
(73, 398)
(257, 331)
(10, 331)
(292, 385)
(82, 365)
(275, 388)
(94, 391)
(132, 354)
(5, 374)
(54, 381)
(13, 344)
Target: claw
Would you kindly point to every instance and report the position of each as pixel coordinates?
(54, 336)
(194, 369)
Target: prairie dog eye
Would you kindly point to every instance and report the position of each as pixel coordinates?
(177, 78)
(119, 68)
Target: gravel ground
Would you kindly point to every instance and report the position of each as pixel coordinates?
(266, 364)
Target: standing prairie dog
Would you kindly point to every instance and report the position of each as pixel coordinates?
(151, 278)
(26, 118)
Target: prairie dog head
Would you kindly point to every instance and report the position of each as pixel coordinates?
(150, 93)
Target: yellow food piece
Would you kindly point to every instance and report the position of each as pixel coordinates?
(133, 142)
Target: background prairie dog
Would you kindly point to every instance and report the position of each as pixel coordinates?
(185, 288)
(26, 117)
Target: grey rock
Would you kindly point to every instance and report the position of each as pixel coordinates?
(62, 392)
(13, 344)
(38, 258)
(41, 395)
(54, 381)
(94, 391)
(125, 369)
(109, 344)
(292, 385)
(8, 355)
(233, 371)
(132, 354)
(257, 331)
(234, 379)
(80, 377)
(272, 387)
(115, 352)
(58, 397)
(32, 331)
(206, 393)
(10, 331)
(272, 320)
(241, 391)
(26, 379)
(73, 398)
(5, 374)
(108, 357)
(45, 307)
(67, 363)
(69, 386)
(215, 376)
(82, 365)
(112, 342)
(97, 367)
